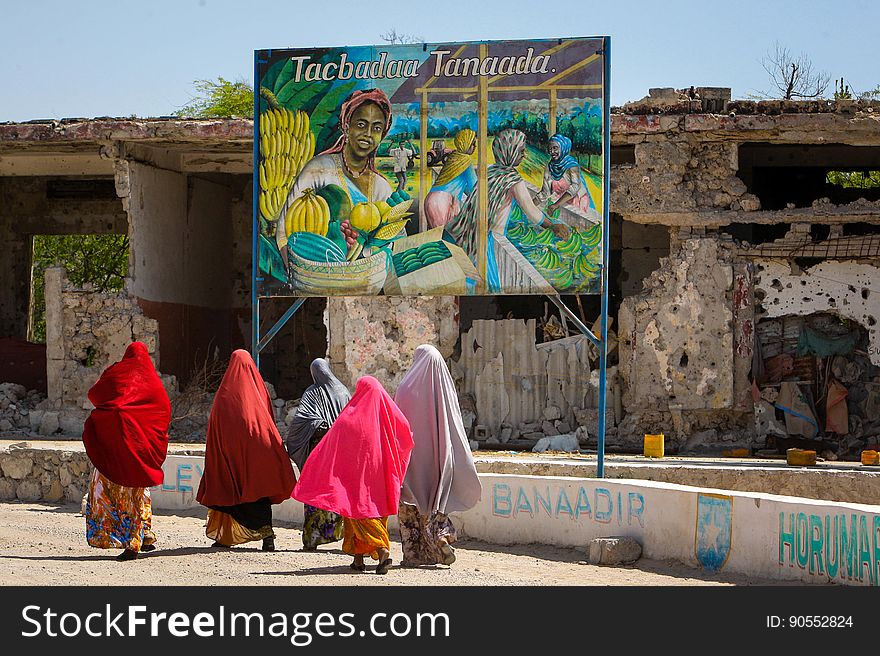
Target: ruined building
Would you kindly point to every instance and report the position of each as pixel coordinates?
(745, 288)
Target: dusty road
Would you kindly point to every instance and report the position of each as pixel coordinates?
(42, 544)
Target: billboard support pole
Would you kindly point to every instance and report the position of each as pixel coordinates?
(571, 316)
(255, 222)
(606, 172)
(264, 341)
(258, 343)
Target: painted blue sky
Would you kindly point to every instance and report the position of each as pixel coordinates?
(122, 58)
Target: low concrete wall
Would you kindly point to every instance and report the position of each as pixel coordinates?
(761, 535)
(854, 484)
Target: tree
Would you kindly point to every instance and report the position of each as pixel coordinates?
(873, 94)
(99, 260)
(393, 37)
(793, 77)
(220, 99)
(854, 179)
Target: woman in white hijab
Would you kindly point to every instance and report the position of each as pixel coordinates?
(441, 477)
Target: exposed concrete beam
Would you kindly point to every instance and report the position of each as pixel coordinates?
(160, 158)
(121, 129)
(52, 164)
(833, 215)
(207, 162)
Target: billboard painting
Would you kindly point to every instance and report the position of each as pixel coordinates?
(459, 168)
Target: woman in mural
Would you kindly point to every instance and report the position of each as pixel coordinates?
(126, 438)
(441, 477)
(365, 118)
(357, 469)
(454, 183)
(319, 407)
(508, 195)
(563, 179)
(246, 466)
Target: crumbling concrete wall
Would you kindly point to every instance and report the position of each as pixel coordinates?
(677, 352)
(847, 289)
(677, 175)
(27, 210)
(86, 331)
(377, 336)
(181, 265)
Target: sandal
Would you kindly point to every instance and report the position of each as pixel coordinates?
(268, 544)
(128, 554)
(448, 554)
(148, 547)
(358, 567)
(382, 568)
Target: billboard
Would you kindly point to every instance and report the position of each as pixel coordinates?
(453, 168)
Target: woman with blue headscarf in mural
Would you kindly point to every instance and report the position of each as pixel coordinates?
(508, 198)
(564, 182)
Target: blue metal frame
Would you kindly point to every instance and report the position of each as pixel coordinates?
(258, 343)
(606, 242)
(255, 219)
(601, 341)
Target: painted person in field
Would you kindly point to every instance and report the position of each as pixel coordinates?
(319, 407)
(126, 438)
(508, 196)
(247, 468)
(441, 477)
(357, 470)
(364, 118)
(454, 183)
(401, 155)
(564, 181)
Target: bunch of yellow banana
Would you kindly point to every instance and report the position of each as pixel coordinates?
(550, 260)
(286, 144)
(308, 213)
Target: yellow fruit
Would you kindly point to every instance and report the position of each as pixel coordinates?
(383, 207)
(286, 144)
(308, 213)
(365, 217)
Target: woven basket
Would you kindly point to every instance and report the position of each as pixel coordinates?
(362, 277)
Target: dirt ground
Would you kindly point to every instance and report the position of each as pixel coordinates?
(43, 544)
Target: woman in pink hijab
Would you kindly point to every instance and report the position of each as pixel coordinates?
(357, 470)
(441, 477)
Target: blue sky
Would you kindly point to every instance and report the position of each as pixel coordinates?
(122, 58)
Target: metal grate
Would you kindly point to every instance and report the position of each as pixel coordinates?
(862, 247)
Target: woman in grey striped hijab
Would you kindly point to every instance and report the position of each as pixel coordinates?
(319, 407)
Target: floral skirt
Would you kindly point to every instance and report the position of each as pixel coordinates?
(118, 517)
(320, 527)
(364, 537)
(423, 538)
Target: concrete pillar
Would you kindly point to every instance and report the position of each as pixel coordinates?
(55, 353)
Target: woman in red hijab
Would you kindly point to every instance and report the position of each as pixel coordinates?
(247, 468)
(357, 469)
(126, 438)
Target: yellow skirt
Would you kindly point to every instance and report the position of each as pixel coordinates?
(224, 529)
(364, 537)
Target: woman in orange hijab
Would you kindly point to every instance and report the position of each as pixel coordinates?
(126, 438)
(247, 468)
